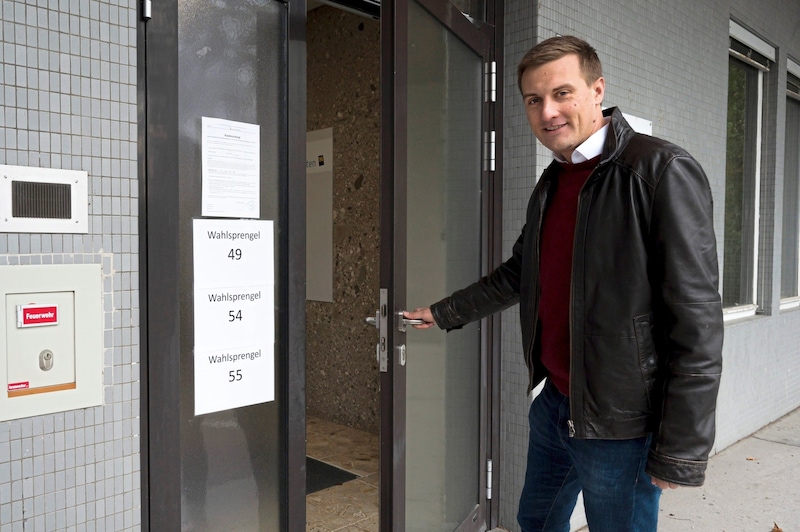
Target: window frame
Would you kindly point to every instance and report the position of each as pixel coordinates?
(792, 81)
(756, 53)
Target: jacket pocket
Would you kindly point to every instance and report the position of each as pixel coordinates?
(643, 325)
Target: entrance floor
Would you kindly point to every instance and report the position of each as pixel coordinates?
(354, 505)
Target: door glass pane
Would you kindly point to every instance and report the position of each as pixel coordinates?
(444, 242)
(231, 66)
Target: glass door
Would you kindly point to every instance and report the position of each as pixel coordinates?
(433, 390)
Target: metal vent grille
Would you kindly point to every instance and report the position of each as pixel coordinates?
(41, 200)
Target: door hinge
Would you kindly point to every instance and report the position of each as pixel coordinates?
(147, 9)
(489, 479)
(489, 151)
(490, 74)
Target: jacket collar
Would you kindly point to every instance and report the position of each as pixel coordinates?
(620, 133)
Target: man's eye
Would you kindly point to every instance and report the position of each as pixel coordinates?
(533, 101)
(563, 94)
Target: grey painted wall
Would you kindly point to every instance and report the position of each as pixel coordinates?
(666, 63)
(68, 75)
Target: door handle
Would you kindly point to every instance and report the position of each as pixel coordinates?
(374, 320)
(402, 321)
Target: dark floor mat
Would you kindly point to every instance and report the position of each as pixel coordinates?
(320, 475)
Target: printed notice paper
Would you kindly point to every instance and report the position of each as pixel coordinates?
(231, 160)
(234, 314)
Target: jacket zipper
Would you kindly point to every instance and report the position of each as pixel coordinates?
(529, 354)
(571, 421)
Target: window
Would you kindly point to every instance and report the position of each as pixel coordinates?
(741, 180)
(749, 59)
(790, 258)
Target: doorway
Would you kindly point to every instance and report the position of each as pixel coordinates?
(342, 376)
(415, 437)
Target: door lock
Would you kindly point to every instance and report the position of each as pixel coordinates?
(46, 360)
(380, 322)
(401, 354)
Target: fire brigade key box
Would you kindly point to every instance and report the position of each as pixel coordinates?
(51, 331)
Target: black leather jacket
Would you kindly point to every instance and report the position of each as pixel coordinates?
(646, 317)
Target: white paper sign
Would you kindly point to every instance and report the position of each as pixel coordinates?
(234, 314)
(231, 306)
(226, 379)
(319, 215)
(233, 253)
(231, 161)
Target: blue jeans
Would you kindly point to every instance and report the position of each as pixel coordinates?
(618, 495)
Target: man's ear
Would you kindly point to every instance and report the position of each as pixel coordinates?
(599, 89)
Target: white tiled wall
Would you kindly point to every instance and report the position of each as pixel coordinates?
(68, 76)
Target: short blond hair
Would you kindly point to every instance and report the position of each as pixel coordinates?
(555, 48)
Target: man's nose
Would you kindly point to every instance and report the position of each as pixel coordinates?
(549, 109)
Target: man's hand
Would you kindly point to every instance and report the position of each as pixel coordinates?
(423, 314)
(663, 484)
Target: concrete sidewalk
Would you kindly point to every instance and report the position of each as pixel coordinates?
(751, 486)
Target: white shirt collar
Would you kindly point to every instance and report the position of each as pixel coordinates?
(590, 148)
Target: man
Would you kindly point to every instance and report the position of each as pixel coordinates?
(616, 275)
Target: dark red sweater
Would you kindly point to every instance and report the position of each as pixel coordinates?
(555, 270)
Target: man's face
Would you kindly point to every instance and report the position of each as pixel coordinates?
(562, 109)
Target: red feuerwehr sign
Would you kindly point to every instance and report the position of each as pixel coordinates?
(34, 315)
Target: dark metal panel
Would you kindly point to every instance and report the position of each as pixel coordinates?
(293, 384)
(393, 154)
(144, 415)
(494, 256)
(160, 324)
(221, 60)
(231, 65)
